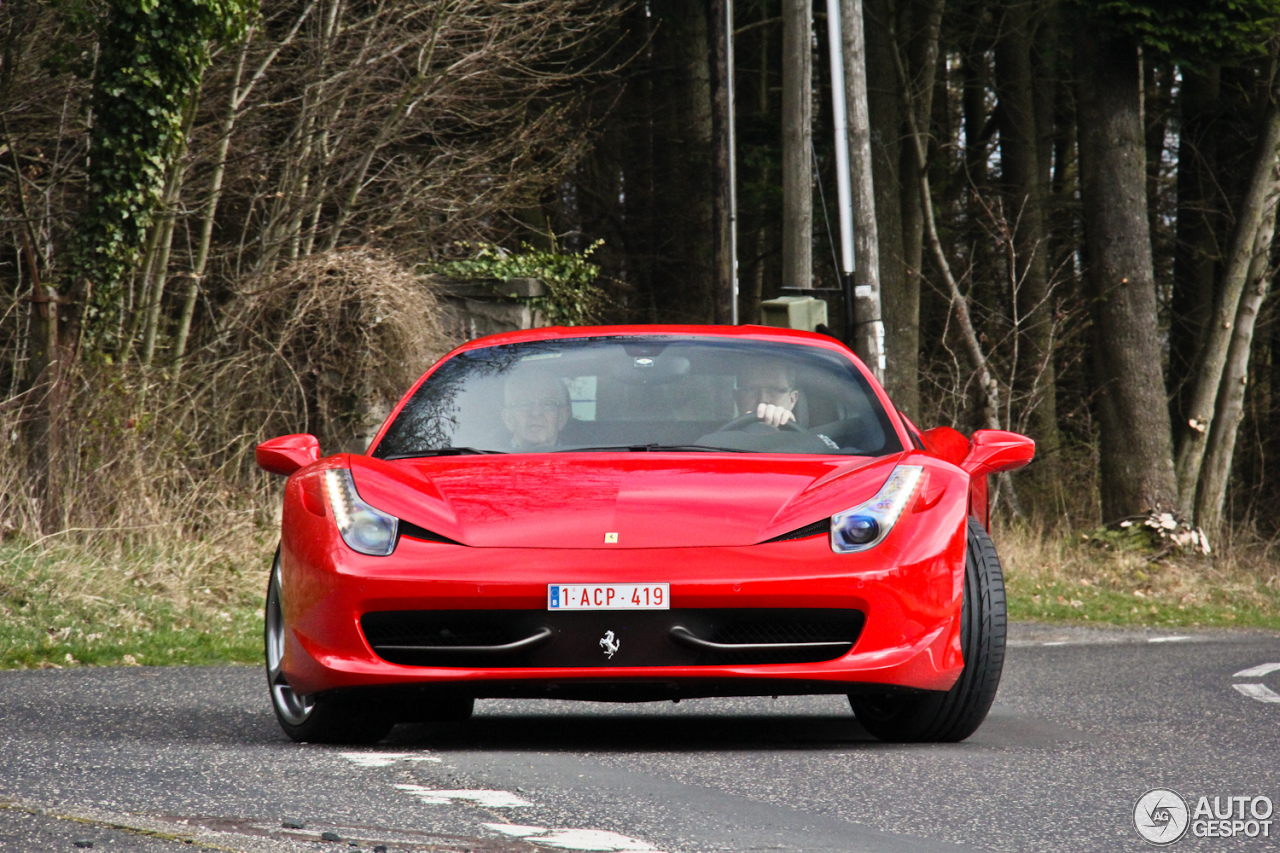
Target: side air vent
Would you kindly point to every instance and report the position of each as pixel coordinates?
(822, 527)
(413, 531)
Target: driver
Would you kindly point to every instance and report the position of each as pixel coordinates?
(768, 388)
(535, 408)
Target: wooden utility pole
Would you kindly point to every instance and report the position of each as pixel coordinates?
(797, 171)
(868, 332)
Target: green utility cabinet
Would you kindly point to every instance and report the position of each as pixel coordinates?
(794, 312)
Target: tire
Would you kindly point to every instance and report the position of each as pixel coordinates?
(952, 716)
(311, 719)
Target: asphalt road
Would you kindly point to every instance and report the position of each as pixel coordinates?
(1086, 722)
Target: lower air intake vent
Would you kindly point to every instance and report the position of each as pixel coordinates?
(537, 638)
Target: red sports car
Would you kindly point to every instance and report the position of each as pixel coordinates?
(639, 513)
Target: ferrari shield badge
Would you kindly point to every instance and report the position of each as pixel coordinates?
(609, 644)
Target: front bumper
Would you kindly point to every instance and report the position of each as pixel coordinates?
(905, 595)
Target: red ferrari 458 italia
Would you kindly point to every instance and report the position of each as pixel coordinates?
(639, 513)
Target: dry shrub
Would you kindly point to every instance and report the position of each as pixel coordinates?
(328, 343)
(142, 458)
(132, 458)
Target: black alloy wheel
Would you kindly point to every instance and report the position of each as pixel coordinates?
(952, 716)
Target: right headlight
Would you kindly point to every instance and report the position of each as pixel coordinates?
(866, 525)
(364, 528)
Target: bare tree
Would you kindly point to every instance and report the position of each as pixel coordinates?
(1229, 408)
(1208, 378)
(1136, 447)
(797, 143)
(1024, 178)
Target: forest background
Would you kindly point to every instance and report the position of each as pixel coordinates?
(223, 220)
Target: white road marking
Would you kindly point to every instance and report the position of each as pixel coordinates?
(575, 839)
(1257, 671)
(1024, 635)
(1105, 641)
(490, 799)
(384, 759)
(516, 830)
(1261, 692)
(593, 839)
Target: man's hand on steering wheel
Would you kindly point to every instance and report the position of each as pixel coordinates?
(758, 420)
(774, 416)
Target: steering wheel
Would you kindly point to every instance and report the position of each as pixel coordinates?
(742, 422)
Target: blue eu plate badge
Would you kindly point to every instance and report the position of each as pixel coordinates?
(608, 596)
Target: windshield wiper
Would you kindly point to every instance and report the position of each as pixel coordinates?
(443, 451)
(652, 448)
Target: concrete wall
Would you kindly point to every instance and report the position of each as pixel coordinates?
(473, 308)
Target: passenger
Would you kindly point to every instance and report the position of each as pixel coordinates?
(535, 409)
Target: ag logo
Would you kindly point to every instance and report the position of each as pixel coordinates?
(1161, 816)
(611, 645)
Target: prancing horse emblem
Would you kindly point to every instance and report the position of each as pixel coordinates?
(609, 644)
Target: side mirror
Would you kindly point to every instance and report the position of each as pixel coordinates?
(946, 442)
(992, 450)
(287, 454)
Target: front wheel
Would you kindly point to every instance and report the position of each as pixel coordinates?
(953, 716)
(304, 718)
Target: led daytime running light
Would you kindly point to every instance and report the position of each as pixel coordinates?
(878, 514)
(364, 528)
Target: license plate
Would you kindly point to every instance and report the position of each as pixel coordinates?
(608, 596)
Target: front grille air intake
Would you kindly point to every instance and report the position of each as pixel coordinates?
(539, 638)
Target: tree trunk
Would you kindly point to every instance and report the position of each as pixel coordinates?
(1209, 372)
(165, 224)
(723, 272)
(1046, 81)
(869, 333)
(1157, 107)
(918, 31)
(1135, 444)
(210, 210)
(1196, 251)
(973, 104)
(1024, 180)
(682, 201)
(884, 109)
(1230, 404)
(797, 135)
(43, 370)
(990, 388)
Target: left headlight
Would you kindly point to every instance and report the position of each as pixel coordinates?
(866, 525)
(364, 528)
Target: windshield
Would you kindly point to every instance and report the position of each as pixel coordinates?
(664, 392)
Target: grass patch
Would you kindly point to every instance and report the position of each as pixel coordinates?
(65, 604)
(1056, 577)
(71, 604)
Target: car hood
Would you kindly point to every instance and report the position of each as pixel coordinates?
(650, 500)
